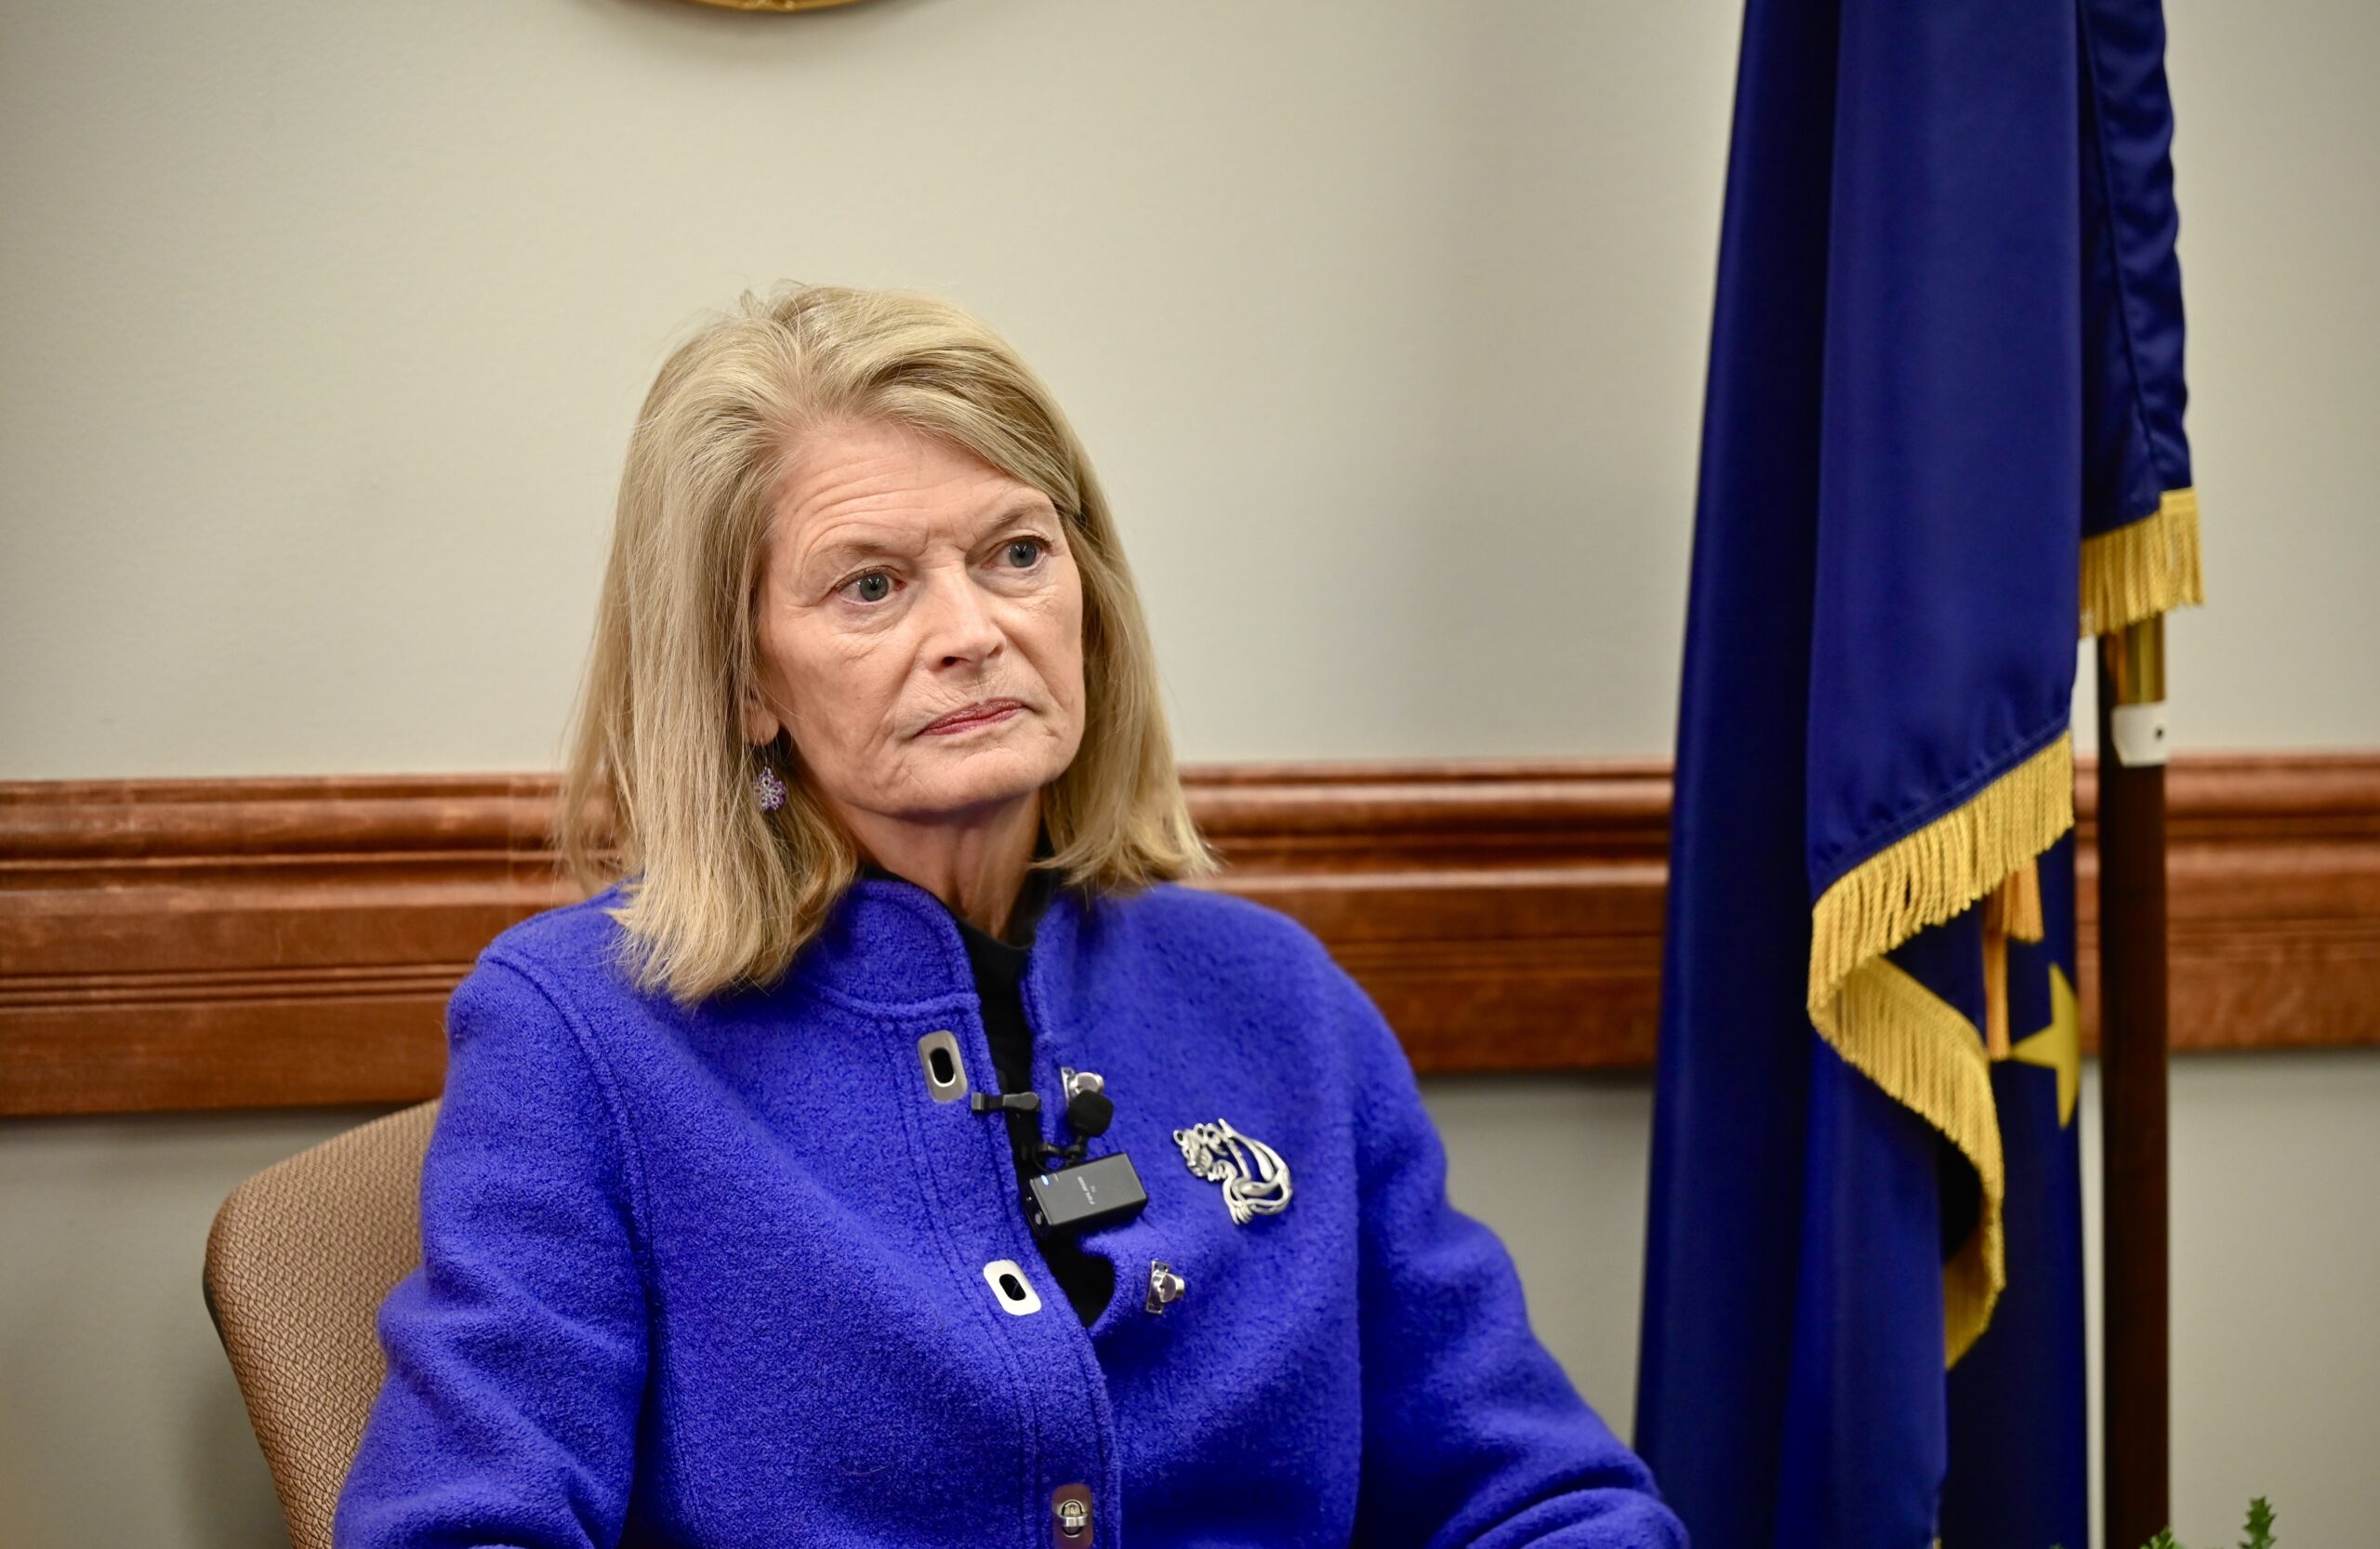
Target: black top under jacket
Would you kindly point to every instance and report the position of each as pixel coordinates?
(1088, 1279)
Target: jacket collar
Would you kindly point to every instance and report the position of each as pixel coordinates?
(891, 943)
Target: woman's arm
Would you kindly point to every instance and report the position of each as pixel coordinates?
(517, 1350)
(1473, 1434)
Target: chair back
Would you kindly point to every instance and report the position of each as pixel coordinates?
(298, 1261)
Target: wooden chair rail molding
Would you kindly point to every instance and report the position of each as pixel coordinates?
(202, 944)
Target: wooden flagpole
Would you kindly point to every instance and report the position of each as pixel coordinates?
(2132, 1082)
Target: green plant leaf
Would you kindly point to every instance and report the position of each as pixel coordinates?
(2259, 1525)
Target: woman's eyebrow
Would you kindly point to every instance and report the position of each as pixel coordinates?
(1022, 505)
(847, 551)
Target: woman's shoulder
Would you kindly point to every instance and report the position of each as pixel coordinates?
(1202, 910)
(569, 951)
(1233, 935)
(1240, 983)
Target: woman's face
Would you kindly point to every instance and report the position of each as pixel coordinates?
(903, 579)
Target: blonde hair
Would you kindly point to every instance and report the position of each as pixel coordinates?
(659, 784)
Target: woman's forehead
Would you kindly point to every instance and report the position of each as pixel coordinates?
(872, 488)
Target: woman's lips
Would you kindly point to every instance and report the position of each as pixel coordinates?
(988, 713)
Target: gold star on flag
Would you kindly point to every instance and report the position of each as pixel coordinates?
(2058, 1046)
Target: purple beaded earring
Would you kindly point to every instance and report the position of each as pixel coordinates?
(768, 789)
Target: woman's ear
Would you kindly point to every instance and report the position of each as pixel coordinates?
(760, 724)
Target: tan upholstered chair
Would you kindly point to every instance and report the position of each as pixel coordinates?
(301, 1258)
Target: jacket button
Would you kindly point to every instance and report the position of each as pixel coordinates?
(1070, 1516)
(946, 1073)
(1011, 1288)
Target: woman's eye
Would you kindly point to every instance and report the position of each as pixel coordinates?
(874, 586)
(1024, 552)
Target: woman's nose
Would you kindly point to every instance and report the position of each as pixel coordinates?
(960, 626)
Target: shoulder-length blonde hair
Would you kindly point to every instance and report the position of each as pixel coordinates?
(659, 788)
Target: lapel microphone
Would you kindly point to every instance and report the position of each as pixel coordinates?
(1074, 1196)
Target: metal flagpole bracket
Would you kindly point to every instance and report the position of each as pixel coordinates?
(2136, 660)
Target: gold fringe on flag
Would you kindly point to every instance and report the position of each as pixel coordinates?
(1910, 1042)
(1917, 1047)
(1925, 878)
(2144, 568)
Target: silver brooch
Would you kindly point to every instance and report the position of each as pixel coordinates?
(1255, 1179)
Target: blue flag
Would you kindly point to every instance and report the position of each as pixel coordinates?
(1942, 438)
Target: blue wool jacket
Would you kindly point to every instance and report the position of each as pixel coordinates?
(733, 1275)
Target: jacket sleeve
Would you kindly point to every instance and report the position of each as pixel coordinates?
(517, 1349)
(1473, 1433)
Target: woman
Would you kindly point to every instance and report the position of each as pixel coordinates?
(893, 1151)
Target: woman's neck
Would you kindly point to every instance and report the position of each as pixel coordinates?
(976, 865)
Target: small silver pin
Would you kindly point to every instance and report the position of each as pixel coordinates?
(1255, 1179)
(1164, 1286)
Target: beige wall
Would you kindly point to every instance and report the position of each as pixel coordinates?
(330, 321)
(325, 325)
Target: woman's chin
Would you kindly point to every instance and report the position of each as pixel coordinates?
(977, 782)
